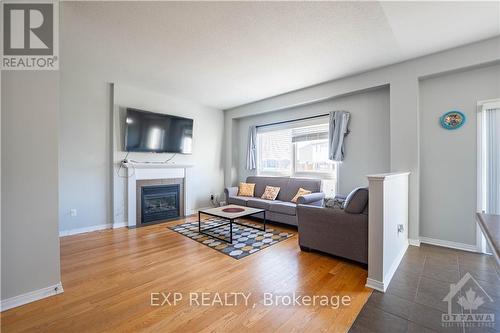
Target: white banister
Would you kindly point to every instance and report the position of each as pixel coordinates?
(387, 226)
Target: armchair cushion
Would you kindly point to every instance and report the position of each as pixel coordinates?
(356, 201)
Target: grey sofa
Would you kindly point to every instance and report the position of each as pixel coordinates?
(341, 232)
(282, 209)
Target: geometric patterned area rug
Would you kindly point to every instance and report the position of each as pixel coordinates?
(245, 240)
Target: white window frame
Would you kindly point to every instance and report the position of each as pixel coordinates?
(320, 175)
(481, 176)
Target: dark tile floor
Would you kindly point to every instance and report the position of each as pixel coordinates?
(414, 300)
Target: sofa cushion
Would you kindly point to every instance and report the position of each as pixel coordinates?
(288, 208)
(246, 190)
(356, 201)
(300, 192)
(259, 203)
(262, 182)
(294, 184)
(270, 193)
(237, 200)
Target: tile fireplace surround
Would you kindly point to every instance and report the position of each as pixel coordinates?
(146, 174)
(148, 184)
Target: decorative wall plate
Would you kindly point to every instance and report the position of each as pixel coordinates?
(452, 120)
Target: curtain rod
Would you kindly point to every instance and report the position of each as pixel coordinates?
(293, 120)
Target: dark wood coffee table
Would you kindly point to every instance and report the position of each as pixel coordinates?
(229, 213)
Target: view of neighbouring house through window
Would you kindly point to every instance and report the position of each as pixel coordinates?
(300, 151)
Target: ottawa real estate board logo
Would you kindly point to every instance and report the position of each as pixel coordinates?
(469, 305)
(30, 32)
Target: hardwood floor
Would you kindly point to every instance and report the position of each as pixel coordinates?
(108, 277)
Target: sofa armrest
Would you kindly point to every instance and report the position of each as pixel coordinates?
(231, 191)
(315, 199)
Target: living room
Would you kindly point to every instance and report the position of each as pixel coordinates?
(297, 126)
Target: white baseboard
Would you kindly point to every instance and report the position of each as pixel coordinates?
(107, 226)
(394, 266)
(119, 225)
(31, 296)
(382, 285)
(449, 244)
(92, 228)
(374, 284)
(414, 242)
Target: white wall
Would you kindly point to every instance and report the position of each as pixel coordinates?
(403, 79)
(367, 146)
(86, 152)
(205, 178)
(448, 158)
(30, 242)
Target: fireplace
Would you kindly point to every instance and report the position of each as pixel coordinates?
(144, 175)
(160, 203)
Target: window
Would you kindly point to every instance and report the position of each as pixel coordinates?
(274, 152)
(297, 149)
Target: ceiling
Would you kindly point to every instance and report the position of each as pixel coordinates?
(224, 54)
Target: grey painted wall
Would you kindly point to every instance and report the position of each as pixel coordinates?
(448, 158)
(86, 130)
(206, 175)
(367, 147)
(403, 79)
(30, 242)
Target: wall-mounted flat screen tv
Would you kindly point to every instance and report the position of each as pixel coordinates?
(159, 133)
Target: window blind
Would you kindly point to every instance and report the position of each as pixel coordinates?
(277, 144)
(275, 151)
(310, 133)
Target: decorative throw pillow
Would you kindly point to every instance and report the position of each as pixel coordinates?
(301, 192)
(270, 193)
(246, 189)
(337, 202)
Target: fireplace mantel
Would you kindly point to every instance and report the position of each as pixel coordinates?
(152, 165)
(151, 171)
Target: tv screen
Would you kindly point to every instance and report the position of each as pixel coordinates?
(156, 132)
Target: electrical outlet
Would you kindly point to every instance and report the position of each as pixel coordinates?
(72, 212)
(401, 228)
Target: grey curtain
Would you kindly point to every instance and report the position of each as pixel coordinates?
(339, 120)
(251, 149)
